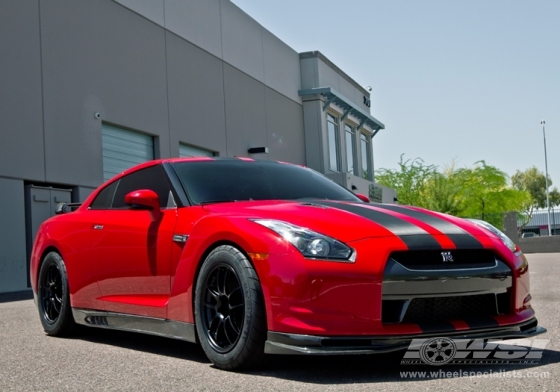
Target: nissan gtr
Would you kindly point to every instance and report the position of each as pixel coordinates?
(249, 257)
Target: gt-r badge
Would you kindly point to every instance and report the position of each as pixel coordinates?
(180, 238)
(447, 257)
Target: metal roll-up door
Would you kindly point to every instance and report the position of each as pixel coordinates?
(123, 149)
(186, 151)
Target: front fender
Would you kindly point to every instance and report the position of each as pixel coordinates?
(206, 234)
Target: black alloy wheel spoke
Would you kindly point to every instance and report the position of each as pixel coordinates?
(51, 294)
(223, 282)
(213, 293)
(223, 308)
(214, 326)
(57, 304)
(233, 325)
(227, 322)
(234, 291)
(210, 305)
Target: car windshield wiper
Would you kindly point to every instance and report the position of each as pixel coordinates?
(216, 201)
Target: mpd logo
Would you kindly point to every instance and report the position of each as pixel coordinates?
(440, 351)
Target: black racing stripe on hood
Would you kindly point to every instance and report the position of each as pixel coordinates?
(413, 236)
(460, 237)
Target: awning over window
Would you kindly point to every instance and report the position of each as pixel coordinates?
(349, 107)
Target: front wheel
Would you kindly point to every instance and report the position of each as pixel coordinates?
(229, 310)
(54, 297)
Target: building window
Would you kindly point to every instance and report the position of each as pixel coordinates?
(333, 139)
(365, 145)
(350, 138)
(186, 151)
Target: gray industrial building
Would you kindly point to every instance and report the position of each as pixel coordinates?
(90, 87)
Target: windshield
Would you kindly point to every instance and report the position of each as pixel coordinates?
(234, 180)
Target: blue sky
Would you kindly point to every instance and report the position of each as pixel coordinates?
(452, 80)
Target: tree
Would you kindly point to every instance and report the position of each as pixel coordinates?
(486, 194)
(533, 181)
(481, 192)
(443, 192)
(409, 180)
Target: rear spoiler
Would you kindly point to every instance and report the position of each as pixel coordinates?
(63, 208)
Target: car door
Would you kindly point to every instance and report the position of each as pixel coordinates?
(132, 248)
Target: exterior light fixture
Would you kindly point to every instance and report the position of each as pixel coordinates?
(258, 150)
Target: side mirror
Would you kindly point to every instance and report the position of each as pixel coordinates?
(144, 199)
(363, 198)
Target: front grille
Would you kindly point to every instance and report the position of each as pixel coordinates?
(447, 308)
(435, 259)
(426, 310)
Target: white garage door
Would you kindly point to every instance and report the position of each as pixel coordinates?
(186, 151)
(123, 149)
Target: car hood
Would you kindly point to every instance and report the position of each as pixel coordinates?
(350, 221)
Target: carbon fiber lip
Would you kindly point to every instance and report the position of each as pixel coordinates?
(284, 343)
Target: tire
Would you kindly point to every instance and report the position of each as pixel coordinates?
(229, 310)
(54, 297)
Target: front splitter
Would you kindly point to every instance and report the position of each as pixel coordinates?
(285, 343)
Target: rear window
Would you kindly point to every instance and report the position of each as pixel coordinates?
(234, 180)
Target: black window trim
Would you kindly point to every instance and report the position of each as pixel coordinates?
(174, 184)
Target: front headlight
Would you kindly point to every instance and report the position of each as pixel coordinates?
(505, 239)
(312, 245)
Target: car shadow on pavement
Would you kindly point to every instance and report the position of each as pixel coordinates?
(351, 369)
(143, 342)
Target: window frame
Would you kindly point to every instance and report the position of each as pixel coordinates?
(368, 159)
(164, 203)
(350, 130)
(336, 147)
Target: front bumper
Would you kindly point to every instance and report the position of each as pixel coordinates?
(285, 343)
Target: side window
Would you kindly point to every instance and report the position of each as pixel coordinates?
(153, 178)
(104, 199)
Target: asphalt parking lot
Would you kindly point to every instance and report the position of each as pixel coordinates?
(117, 361)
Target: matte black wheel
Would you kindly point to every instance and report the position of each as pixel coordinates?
(229, 310)
(53, 297)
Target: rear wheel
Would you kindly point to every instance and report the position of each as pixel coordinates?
(53, 297)
(229, 310)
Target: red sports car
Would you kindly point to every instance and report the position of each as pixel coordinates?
(253, 257)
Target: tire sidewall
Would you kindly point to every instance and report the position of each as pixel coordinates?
(56, 327)
(223, 256)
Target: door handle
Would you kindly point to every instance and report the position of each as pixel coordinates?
(97, 227)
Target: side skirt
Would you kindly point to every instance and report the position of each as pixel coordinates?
(127, 322)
